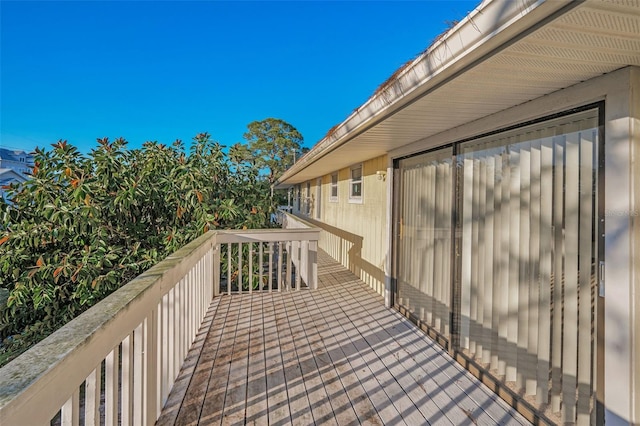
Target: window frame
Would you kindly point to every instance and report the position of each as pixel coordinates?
(332, 185)
(356, 199)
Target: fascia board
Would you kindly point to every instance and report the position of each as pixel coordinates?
(493, 25)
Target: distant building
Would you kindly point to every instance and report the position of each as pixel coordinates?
(9, 176)
(17, 160)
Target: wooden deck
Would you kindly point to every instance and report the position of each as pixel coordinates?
(335, 355)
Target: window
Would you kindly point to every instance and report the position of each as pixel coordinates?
(333, 197)
(355, 184)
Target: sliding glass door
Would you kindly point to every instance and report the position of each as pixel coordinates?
(524, 251)
(529, 260)
(424, 239)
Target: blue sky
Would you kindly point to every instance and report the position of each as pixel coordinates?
(160, 70)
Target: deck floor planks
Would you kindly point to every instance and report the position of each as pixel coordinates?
(299, 404)
(369, 381)
(193, 375)
(235, 397)
(257, 408)
(405, 341)
(410, 376)
(481, 404)
(193, 400)
(213, 405)
(380, 373)
(406, 365)
(277, 397)
(348, 376)
(321, 379)
(402, 390)
(330, 356)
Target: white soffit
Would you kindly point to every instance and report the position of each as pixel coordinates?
(587, 40)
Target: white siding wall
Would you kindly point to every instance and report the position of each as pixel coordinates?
(355, 233)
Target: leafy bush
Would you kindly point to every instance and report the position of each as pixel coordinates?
(86, 224)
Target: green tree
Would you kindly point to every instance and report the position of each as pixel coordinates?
(84, 225)
(240, 153)
(274, 144)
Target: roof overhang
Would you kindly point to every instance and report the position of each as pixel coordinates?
(12, 174)
(503, 54)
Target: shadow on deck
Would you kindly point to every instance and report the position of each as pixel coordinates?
(335, 355)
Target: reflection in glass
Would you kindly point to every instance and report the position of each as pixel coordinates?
(528, 260)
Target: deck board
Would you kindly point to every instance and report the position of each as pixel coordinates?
(257, 408)
(334, 355)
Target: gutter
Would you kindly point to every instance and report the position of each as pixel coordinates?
(489, 28)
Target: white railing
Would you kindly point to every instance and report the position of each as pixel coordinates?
(289, 221)
(271, 260)
(137, 338)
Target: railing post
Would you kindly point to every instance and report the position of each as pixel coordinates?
(297, 249)
(160, 357)
(216, 269)
(289, 267)
(313, 264)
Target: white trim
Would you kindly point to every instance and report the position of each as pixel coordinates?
(388, 261)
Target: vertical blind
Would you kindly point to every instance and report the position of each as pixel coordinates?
(527, 205)
(424, 277)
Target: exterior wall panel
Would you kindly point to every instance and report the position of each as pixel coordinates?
(354, 233)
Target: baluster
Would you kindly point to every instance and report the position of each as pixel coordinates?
(92, 397)
(70, 413)
(150, 357)
(250, 268)
(271, 246)
(299, 266)
(289, 268)
(228, 268)
(239, 267)
(260, 265)
(138, 375)
(111, 374)
(216, 271)
(280, 262)
(127, 385)
(313, 265)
